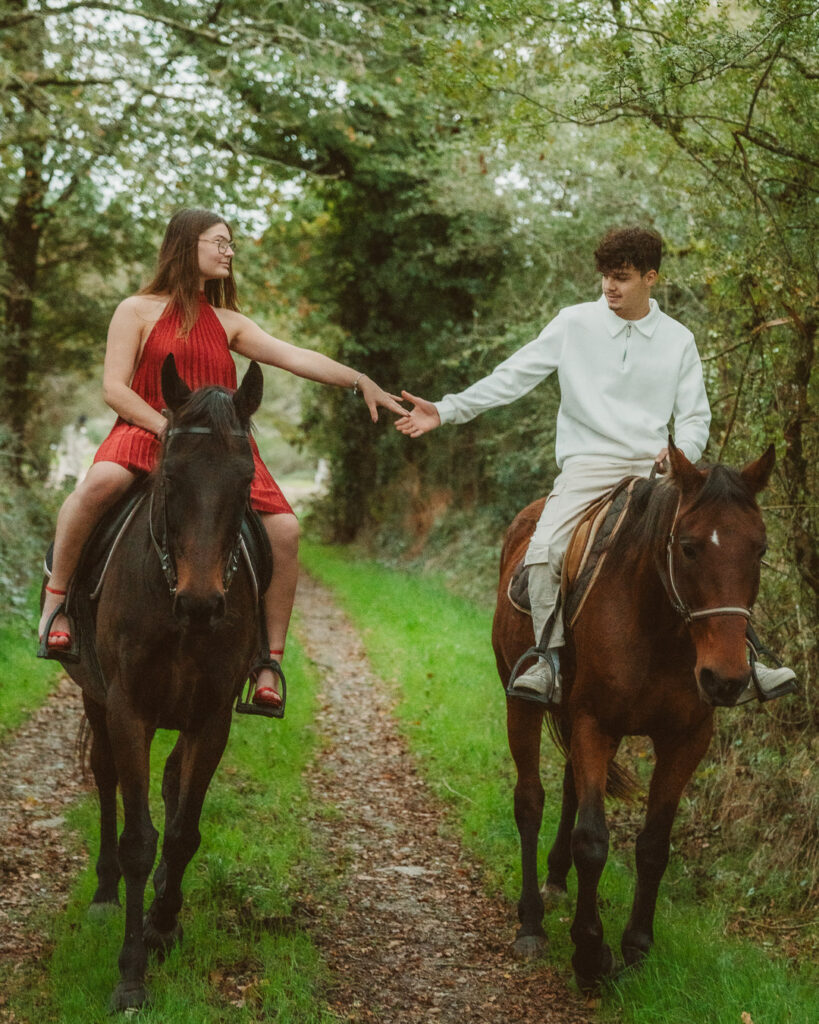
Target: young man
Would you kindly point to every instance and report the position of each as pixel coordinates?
(626, 369)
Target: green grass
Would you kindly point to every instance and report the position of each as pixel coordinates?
(24, 679)
(246, 955)
(435, 648)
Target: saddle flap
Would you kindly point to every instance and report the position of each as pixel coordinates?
(589, 546)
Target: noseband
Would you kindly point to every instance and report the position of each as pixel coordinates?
(678, 602)
(161, 544)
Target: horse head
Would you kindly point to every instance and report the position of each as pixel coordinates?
(712, 565)
(201, 490)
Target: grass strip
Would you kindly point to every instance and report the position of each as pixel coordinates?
(435, 648)
(25, 680)
(246, 954)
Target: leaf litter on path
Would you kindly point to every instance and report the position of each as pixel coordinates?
(417, 939)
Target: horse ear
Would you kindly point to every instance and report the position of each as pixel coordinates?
(684, 473)
(174, 389)
(757, 474)
(248, 398)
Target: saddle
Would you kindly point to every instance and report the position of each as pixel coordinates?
(584, 556)
(81, 602)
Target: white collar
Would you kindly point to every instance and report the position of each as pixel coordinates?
(645, 325)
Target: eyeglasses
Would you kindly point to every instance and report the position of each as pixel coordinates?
(222, 244)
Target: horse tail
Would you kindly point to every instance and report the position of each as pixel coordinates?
(82, 748)
(559, 732)
(621, 784)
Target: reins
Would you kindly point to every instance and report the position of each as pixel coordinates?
(161, 545)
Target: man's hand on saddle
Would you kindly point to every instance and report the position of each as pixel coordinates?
(422, 418)
(661, 462)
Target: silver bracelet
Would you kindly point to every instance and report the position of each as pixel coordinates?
(355, 383)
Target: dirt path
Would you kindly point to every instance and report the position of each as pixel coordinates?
(417, 940)
(39, 780)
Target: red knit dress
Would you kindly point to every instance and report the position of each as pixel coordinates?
(202, 359)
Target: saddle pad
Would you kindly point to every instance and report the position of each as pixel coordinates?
(585, 555)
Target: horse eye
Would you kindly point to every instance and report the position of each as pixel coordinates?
(688, 550)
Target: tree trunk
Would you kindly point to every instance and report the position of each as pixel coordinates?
(22, 237)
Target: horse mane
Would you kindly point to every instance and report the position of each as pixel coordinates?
(654, 505)
(211, 407)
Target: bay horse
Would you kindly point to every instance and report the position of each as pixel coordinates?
(175, 636)
(658, 644)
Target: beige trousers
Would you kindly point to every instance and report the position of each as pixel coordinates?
(582, 480)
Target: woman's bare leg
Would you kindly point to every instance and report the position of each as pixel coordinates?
(283, 533)
(80, 513)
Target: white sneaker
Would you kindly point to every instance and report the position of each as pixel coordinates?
(770, 683)
(541, 683)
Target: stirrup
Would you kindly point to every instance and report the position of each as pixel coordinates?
(246, 706)
(539, 653)
(69, 654)
(755, 648)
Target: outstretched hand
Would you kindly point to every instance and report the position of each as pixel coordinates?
(422, 418)
(374, 396)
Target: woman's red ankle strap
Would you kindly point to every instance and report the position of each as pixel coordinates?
(56, 593)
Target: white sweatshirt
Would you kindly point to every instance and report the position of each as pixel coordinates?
(621, 383)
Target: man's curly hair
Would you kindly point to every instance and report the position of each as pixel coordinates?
(640, 248)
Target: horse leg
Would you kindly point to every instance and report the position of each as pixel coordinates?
(130, 743)
(170, 798)
(105, 776)
(560, 855)
(676, 761)
(591, 753)
(524, 725)
(188, 775)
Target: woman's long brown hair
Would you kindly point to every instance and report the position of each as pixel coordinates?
(177, 272)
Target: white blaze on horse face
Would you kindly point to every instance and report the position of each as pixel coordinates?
(715, 538)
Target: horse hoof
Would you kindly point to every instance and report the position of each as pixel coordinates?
(128, 996)
(529, 947)
(159, 942)
(101, 911)
(554, 896)
(589, 984)
(634, 956)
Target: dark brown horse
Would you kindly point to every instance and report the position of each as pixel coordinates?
(175, 637)
(660, 642)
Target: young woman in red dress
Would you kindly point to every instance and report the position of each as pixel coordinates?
(189, 309)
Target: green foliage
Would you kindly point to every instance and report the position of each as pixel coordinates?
(25, 680)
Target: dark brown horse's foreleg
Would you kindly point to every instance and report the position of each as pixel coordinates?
(105, 776)
(676, 761)
(560, 855)
(524, 725)
(591, 752)
(187, 776)
(130, 743)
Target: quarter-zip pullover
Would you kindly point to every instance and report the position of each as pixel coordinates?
(622, 382)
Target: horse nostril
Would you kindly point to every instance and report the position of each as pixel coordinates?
(721, 691)
(199, 612)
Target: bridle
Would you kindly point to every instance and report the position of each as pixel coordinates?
(159, 539)
(678, 602)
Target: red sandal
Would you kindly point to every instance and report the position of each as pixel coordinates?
(58, 644)
(264, 701)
